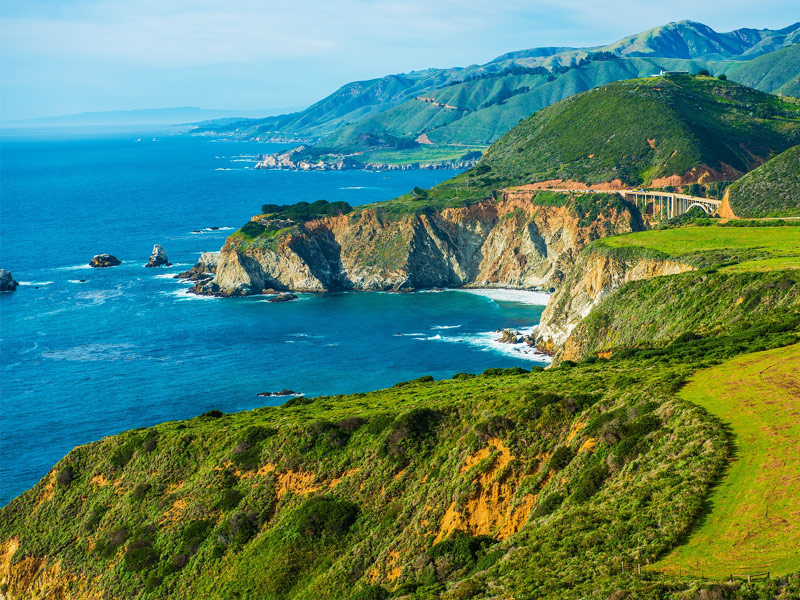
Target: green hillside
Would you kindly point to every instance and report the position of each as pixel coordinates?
(771, 190)
(544, 484)
(640, 130)
(537, 483)
(777, 72)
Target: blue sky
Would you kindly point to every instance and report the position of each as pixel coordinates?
(68, 56)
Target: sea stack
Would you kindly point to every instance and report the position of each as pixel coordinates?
(101, 261)
(158, 258)
(7, 281)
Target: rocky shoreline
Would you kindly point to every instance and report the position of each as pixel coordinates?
(288, 161)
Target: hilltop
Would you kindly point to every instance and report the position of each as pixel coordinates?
(771, 190)
(660, 131)
(433, 114)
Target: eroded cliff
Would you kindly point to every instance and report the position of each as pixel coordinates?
(517, 240)
(594, 276)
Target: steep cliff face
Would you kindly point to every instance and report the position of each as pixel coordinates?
(511, 242)
(594, 276)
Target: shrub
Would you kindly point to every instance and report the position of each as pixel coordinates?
(323, 517)
(548, 504)
(240, 528)
(229, 500)
(140, 554)
(350, 424)
(194, 534)
(411, 429)
(212, 414)
(589, 482)
(65, 476)
(107, 547)
(464, 376)
(562, 456)
(140, 491)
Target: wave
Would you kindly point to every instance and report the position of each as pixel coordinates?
(505, 295)
(226, 169)
(487, 342)
(167, 276)
(359, 187)
(35, 282)
(93, 352)
(445, 326)
(422, 335)
(97, 297)
(76, 281)
(183, 294)
(75, 267)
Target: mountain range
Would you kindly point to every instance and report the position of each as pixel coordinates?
(471, 107)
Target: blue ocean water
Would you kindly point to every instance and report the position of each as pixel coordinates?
(91, 352)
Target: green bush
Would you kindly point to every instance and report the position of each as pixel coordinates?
(589, 483)
(548, 504)
(561, 458)
(323, 517)
(140, 491)
(411, 430)
(229, 499)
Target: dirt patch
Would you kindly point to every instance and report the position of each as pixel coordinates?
(490, 510)
(725, 211)
(587, 445)
(100, 480)
(424, 139)
(298, 482)
(569, 184)
(576, 427)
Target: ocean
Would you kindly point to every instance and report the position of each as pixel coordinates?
(88, 353)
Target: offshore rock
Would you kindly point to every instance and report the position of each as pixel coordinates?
(283, 298)
(7, 281)
(101, 261)
(158, 258)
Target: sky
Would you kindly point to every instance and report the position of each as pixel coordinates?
(68, 56)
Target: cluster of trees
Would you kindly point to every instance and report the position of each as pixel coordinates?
(304, 211)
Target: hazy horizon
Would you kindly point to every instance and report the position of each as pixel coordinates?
(85, 56)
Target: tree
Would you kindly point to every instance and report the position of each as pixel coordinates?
(723, 77)
(704, 73)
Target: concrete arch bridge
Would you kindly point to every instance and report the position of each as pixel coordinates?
(666, 205)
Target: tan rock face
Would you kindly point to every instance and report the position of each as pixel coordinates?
(593, 277)
(507, 243)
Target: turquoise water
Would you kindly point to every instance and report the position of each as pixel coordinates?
(128, 348)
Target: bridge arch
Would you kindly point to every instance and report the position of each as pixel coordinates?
(708, 210)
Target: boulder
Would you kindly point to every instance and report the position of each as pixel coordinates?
(158, 258)
(510, 337)
(204, 270)
(101, 261)
(283, 298)
(7, 281)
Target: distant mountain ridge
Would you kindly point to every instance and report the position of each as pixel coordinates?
(148, 116)
(475, 105)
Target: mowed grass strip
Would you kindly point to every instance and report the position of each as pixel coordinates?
(754, 522)
(782, 243)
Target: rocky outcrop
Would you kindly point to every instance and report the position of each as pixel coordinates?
(158, 258)
(203, 270)
(101, 261)
(594, 276)
(7, 281)
(511, 242)
(293, 160)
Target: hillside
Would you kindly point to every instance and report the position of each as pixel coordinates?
(771, 190)
(549, 484)
(658, 131)
(776, 72)
(475, 105)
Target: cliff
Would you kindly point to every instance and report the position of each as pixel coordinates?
(516, 241)
(594, 277)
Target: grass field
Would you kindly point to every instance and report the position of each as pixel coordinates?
(754, 519)
(782, 244)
